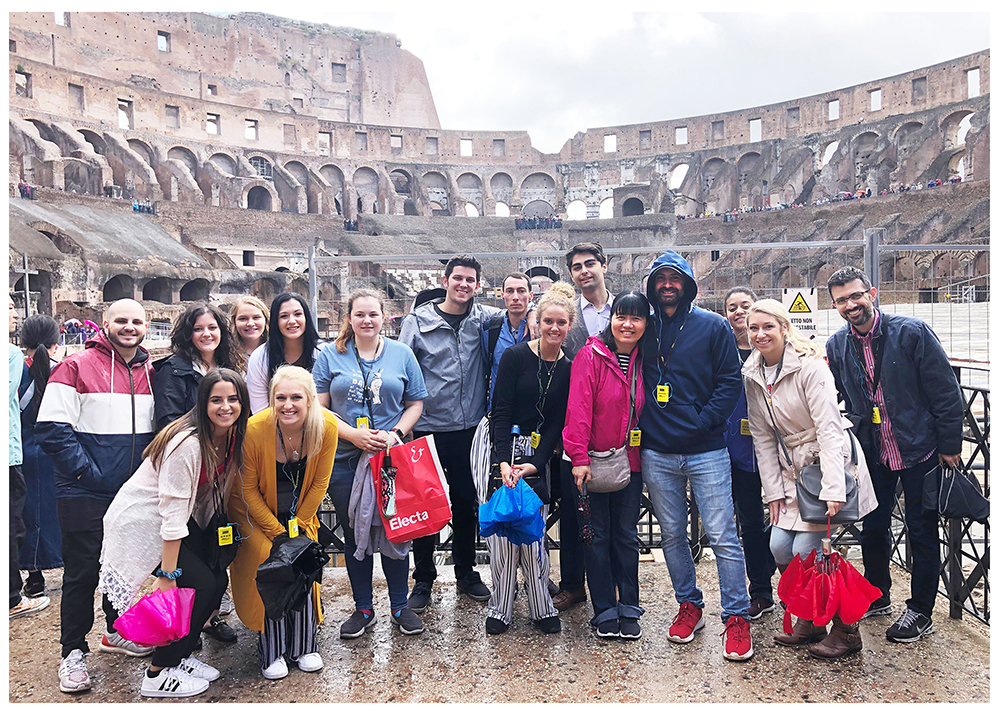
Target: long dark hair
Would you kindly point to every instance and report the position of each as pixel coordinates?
(182, 336)
(632, 303)
(199, 425)
(38, 334)
(276, 341)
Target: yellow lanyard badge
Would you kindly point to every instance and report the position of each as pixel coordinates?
(536, 439)
(745, 427)
(663, 393)
(293, 528)
(226, 535)
(876, 416)
(361, 422)
(634, 437)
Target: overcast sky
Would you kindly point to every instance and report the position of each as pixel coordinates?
(556, 72)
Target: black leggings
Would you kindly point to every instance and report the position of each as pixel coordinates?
(209, 587)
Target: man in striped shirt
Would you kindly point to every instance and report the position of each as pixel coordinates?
(895, 379)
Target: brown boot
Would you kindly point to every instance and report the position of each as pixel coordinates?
(803, 632)
(842, 640)
(567, 598)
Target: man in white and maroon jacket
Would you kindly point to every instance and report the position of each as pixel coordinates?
(94, 422)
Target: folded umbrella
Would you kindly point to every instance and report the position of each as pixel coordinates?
(515, 513)
(286, 577)
(583, 516)
(954, 493)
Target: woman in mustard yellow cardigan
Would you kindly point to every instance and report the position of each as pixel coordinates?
(288, 456)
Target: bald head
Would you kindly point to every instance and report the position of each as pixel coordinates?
(125, 326)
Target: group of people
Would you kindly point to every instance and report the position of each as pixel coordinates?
(537, 222)
(351, 226)
(143, 207)
(252, 420)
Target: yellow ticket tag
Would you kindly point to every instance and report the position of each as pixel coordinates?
(634, 437)
(876, 416)
(225, 535)
(293, 528)
(361, 422)
(745, 427)
(536, 439)
(662, 393)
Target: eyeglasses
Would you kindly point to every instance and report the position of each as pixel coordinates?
(853, 297)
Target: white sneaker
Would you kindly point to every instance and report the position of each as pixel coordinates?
(172, 682)
(28, 606)
(226, 606)
(73, 675)
(276, 670)
(200, 669)
(113, 642)
(310, 662)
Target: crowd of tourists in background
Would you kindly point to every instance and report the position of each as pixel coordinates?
(537, 223)
(198, 469)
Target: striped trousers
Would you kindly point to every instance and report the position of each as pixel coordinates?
(505, 557)
(293, 635)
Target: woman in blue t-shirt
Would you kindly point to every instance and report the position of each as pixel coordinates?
(376, 389)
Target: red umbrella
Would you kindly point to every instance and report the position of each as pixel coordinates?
(822, 586)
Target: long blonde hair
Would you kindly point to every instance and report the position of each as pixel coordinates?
(312, 432)
(346, 331)
(799, 342)
(239, 351)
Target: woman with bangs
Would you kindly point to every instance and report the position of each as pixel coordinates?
(248, 323)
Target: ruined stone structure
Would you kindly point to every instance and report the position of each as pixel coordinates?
(230, 124)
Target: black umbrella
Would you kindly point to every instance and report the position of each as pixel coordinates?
(286, 577)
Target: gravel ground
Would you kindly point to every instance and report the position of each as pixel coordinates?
(454, 660)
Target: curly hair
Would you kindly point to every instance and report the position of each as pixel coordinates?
(182, 336)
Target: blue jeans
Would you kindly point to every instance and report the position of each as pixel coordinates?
(666, 477)
(786, 544)
(396, 572)
(612, 559)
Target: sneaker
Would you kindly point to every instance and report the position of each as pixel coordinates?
(688, 621)
(910, 627)
(226, 606)
(28, 605)
(759, 606)
(113, 642)
(34, 586)
(565, 599)
(172, 682)
(408, 622)
(549, 625)
(473, 586)
(310, 662)
(219, 630)
(199, 669)
(628, 628)
(278, 669)
(495, 626)
(73, 675)
(882, 606)
(420, 598)
(357, 624)
(608, 629)
(738, 646)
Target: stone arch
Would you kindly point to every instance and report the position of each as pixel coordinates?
(950, 127)
(299, 171)
(143, 149)
(436, 186)
(46, 133)
(677, 176)
(158, 290)
(224, 163)
(828, 152)
(539, 186)
(822, 277)
(502, 187)
(633, 207)
(259, 198)
(262, 165)
(710, 171)
(335, 177)
(91, 137)
(576, 210)
(470, 188)
(748, 174)
(265, 289)
(328, 292)
(981, 264)
(538, 208)
(196, 289)
(300, 286)
(118, 287)
(541, 278)
(863, 145)
(185, 156)
(401, 182)
(366, 187)
(607, 208)
(906, 129)
(501, 210)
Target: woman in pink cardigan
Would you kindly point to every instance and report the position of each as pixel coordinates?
(600, 416)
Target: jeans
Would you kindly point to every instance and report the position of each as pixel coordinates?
(921, 525)
(785, 544)
(571, 559)
(453, 448)
(750, 512)
(360, 571)
(612, 559)
(666, 477)
(18, 493)
(81, 521)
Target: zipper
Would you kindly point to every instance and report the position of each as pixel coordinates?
(131, 383)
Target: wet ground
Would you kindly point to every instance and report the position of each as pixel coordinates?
(454, 660)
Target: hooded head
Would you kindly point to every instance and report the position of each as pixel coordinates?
(671, 262)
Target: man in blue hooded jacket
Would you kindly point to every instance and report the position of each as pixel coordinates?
(691, 372)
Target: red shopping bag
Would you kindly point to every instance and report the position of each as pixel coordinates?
(423, 506)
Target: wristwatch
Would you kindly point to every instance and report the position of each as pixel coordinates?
(399, 435)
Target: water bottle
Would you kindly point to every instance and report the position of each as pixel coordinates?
(517, 446)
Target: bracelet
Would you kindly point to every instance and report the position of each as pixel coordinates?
(399, 434)
(169, 576)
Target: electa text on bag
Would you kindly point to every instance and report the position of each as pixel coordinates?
(403, 521)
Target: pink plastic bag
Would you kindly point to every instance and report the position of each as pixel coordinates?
(158, 618)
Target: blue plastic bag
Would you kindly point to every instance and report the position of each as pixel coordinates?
(514, 513)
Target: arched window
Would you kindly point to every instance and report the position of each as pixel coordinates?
(263, 167)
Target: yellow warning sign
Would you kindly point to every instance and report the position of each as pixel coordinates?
(799, 304)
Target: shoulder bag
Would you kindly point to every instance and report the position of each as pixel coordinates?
(609, 470)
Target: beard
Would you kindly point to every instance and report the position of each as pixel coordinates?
(867, 312)
(117, 342)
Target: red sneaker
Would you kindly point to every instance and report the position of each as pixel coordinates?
(687, 622)
(737, 645)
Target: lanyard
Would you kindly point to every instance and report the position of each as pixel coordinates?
(662, 358)
(543, 392)
(217, 500)
(365, 395)
(297, 470)
(879, 352)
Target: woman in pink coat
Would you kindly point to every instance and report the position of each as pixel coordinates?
(600, 416)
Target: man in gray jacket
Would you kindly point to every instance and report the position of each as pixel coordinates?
(445, 336)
